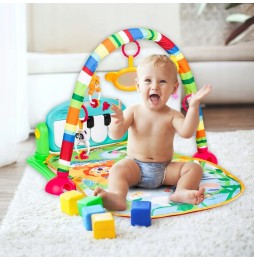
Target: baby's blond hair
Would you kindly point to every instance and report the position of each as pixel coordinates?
(157, 59)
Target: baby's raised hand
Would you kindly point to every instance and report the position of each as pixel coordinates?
(196, 98)
(118, 113)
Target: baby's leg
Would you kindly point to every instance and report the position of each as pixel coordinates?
(122, 175)
(186, 177)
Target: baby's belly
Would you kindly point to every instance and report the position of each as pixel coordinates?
(146, 152)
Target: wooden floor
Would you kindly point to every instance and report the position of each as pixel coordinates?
(222, 118)
(229, 118)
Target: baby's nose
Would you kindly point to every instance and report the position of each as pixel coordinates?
(154, 86)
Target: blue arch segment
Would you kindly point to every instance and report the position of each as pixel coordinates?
(136, 33)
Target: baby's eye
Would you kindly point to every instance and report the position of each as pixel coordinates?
(163, 81)
(147, 80)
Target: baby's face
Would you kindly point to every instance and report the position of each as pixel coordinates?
(156, 84)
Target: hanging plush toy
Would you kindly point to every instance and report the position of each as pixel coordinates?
(94, 86)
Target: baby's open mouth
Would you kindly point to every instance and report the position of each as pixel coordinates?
(154, 98)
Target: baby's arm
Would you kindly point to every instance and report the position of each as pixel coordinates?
(187, 126)
(121, 121)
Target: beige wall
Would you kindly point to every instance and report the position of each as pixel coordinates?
(81, 27)
(210, 27)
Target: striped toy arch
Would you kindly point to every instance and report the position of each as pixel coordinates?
(57, 185)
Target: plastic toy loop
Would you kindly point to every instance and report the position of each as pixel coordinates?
(185, 101)
(126, 55)
(86, 113)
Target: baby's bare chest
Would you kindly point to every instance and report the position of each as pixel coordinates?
(159, 125)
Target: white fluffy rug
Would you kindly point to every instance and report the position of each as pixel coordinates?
(35, 226)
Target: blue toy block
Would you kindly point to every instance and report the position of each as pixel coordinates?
(141, 213)
(87, 213)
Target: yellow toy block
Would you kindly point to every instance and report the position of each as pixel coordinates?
(68, 202)
(103, 226)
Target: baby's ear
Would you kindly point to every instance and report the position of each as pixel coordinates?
(175, 87)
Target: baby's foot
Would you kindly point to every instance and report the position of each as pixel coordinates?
(111, 200)
(188, 196)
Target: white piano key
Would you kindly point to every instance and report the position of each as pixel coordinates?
(99, 132)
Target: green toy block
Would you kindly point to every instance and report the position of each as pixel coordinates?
(88, 201)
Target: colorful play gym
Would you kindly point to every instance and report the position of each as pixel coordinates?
(75, 160)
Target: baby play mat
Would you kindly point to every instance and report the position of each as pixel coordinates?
(220, 186)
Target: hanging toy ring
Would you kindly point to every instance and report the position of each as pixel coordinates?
(184, 102)
(138, 50)
(86, 113)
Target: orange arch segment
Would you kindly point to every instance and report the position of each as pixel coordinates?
(183, 66)
(109, 45)
(73, 116)
(200, 134)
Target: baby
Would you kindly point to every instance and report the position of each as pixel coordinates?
(151, 128)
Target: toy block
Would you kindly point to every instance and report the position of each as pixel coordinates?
(68, 202)
(141, 213)
(87, 213)
(103, 226)
(89, 201)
